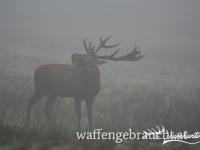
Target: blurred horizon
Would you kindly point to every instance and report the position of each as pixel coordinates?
(47, 31)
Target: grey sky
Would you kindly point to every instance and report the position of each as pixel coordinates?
(37, 24)
(167, 30)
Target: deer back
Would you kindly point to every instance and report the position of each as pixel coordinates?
(67, 80)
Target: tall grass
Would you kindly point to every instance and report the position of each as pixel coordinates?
(115, 108)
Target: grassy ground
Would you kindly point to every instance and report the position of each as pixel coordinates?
(116, 108)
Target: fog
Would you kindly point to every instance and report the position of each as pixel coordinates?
(36, 32)
(47, 30)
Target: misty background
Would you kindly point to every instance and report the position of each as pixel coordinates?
(158, 90)
(47, 31)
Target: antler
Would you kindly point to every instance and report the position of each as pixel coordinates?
(134, 55)
(103, 44)
(89, 49)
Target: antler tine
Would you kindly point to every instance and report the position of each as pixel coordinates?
(103, 44)
(108, 57)
(90, 45)
(105, 40)
(134, 55)
(89, 49)
(85, 46)
(109, 46)
(113, 54)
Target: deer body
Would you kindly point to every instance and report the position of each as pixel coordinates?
(80, 80)
(67, 80)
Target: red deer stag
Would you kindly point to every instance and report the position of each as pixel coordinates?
(80, 80)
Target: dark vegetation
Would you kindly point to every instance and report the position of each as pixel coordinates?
(116, 109)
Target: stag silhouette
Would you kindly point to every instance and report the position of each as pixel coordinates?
(79, 80)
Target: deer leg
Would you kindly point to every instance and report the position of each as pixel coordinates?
(32, 100)
(49, 107)
(77, 103)
(89, 105)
